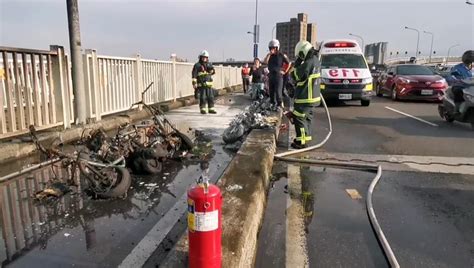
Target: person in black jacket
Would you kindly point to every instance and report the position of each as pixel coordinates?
(202, 83)
(275, 61)
(258, 80)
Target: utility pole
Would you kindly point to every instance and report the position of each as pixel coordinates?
(76, 60)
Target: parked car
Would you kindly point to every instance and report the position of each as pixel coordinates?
(413, 82)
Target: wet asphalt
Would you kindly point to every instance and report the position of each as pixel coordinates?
(428, 218)
(77, 231)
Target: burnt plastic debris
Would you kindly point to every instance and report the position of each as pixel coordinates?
(253, 117)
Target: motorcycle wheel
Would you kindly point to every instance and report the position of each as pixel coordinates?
(121, 186)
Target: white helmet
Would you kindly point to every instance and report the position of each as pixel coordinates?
(204, 53)
(274, 43)
(302, 49)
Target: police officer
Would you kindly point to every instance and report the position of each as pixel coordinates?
(275, 60)
(306, 74)
(202, 83)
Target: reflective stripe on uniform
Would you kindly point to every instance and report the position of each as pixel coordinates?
(212, 109)
(302, 138)
(309, 138)
(310, 98)
(322, 86)
(315, 100)
(206, 84)
(296, 75)
(296, 113)
(202, 73)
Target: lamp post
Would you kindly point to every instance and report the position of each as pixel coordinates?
(417, 40)
(449, 50)
(431, 48)
(470, 3)
(256, 32)
(361, 39)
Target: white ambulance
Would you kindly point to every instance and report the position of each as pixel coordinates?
(344, 72)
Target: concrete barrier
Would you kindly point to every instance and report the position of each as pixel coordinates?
(244, 186)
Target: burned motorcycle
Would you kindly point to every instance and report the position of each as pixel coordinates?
(105, 178)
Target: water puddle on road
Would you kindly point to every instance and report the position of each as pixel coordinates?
(76, 230)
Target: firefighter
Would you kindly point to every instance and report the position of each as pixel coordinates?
(202, 83)
(306, 74)
(245, 77)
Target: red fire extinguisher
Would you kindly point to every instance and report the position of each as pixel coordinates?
(204, 225)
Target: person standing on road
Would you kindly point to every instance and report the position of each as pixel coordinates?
(306, 74)
(202, 83)
(275, 61)
(258, 76)
(246, 77)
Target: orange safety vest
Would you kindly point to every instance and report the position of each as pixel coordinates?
(245, 71)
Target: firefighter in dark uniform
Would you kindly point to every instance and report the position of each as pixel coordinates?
(307, 94)
(202, 83)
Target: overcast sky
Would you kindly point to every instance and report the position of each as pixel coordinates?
(157, 28)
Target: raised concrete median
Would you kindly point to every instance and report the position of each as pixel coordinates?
(244, 186)
(20, 147)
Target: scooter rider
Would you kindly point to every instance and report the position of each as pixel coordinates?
(307, 95)
(460, 72)
(202, 83)
(275, 60)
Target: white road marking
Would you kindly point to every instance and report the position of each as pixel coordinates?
(145, 248)
(296, 248)
(411, 116)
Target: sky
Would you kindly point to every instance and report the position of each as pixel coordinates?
(156, 28)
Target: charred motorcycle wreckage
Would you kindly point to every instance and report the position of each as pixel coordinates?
(103, 160)
(255, 116)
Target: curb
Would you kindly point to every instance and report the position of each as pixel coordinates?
(242, 210)
(12, 150)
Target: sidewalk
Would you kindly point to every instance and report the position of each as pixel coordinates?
(17, 148)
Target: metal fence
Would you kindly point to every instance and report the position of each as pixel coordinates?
(36, 86)
(33, 89)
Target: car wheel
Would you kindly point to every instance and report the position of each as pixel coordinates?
(394, 94)
(365, 102)
(378, 91)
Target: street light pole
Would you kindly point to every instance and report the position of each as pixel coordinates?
(417, 40)
(431, 48)
(362, 40)
(76, 60)
(449, 50)
(256, 32)
(470, 3)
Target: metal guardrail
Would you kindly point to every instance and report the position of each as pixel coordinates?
(40, 80)
(32, 85)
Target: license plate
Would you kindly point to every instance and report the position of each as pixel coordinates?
(345, 96)
(426, 92)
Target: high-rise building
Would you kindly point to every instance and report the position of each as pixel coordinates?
(291, 32)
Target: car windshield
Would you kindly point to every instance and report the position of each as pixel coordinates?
(414, 70)
(343, 61)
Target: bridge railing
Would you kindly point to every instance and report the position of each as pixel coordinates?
(34, 89)
(36, 86)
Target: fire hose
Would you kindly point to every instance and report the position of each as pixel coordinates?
(387, 250)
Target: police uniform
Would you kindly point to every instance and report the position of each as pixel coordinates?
(202, 79)
(307, 95)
